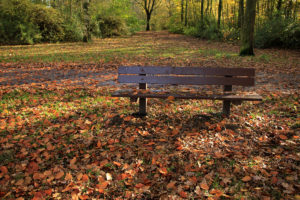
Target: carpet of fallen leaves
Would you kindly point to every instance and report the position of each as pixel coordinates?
(63, 137)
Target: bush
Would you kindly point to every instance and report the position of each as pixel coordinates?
(111, 26)
(50, 23)
(16, 26)
(22, 22)
(208, 29)
(278, 32)
(73, 31)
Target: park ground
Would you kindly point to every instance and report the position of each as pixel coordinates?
(63, 137)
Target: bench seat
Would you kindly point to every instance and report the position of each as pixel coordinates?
(185, 95)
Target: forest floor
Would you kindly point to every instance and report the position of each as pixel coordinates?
(63, 137)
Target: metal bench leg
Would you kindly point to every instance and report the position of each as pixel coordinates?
(143, 106)
(226, 108)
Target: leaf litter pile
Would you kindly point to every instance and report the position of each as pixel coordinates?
(63, 137)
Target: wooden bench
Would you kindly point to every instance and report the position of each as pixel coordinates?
(226, 77)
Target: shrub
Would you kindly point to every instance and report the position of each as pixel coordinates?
(50, 23)
(278, 32)
(208, 29)
(16, 26)
(111, 26)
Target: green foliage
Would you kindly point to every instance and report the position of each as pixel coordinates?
(207, 29)
(25, 23)
(111, 26)
(16, 26)
(73, 31)
(278, 32)
(50, 23)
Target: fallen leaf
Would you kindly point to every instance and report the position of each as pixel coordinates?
(246, 178)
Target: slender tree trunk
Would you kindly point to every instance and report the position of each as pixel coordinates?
(202, 7)
(248, 29)
(186, 13)
(207, 7)
(182, 10)
(219, 13)
(241, 13)
(279, 4)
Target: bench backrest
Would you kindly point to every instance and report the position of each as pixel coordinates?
(187, 75)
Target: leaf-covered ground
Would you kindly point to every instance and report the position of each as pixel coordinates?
(63, 137)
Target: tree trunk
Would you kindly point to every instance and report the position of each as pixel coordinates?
(248, 29)
(186, 13)
(202, 7)
(148, 22)
(241, 13)
(182, 10)
(279, 4)
(219, 13)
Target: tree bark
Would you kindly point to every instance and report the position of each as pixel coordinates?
(248, 29)
(241, 13)
(202, 10)
(148, 22)
(186, 13)
(182, 10)
(220, 13)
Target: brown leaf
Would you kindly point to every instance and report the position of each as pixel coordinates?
(171, 185)
(73, 161)
(204, 185)
(59, 175)
(246, 178)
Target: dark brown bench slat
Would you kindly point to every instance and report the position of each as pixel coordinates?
(187, 71)
(186, 80)
(185, 95)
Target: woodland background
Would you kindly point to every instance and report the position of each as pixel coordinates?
(34, 21)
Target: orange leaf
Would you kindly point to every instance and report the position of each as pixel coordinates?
(83, 197)
(3, 169)
(163, 170)
(99, 144)
(68, 177)
(204, 186)
(139, 185)
(73, 161)
(283, 137)
(48, 192)
(117, 163)
(183, 194)
(59, 175)
(246, 179)
(218, 128)
(85, 178)
(171, 98)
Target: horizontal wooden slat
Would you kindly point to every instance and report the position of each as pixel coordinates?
(187, 71)
(186, 95)
(186, 80)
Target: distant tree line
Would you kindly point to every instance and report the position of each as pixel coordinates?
(259, 23)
